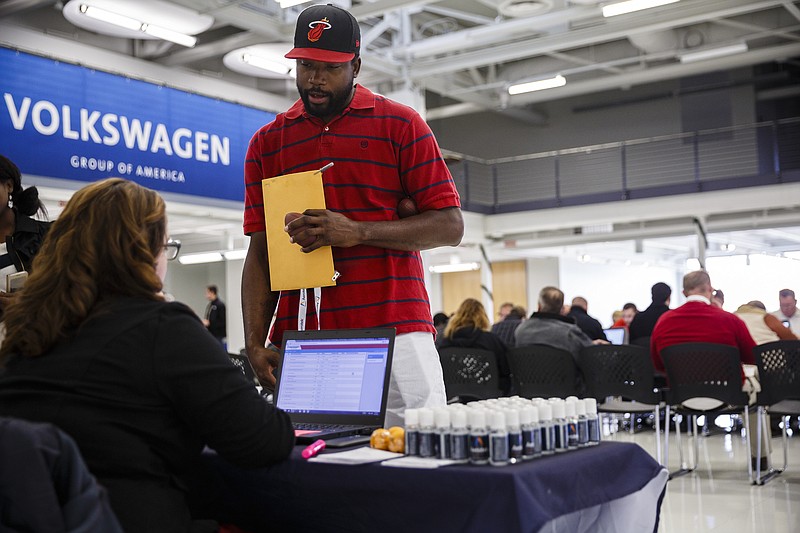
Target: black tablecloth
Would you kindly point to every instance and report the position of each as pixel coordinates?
(297, 495)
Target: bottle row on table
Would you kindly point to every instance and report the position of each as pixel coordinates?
(502, 431)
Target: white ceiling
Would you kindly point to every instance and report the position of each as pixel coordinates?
(463, 54)
(471, 50)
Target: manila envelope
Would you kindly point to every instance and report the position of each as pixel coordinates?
(289, 267)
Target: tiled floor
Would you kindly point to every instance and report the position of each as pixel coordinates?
(718, 495)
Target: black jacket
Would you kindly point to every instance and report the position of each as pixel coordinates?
(141, 388)
(24, 244)
(644, 321)
(215, 314)
(589, 325)
(477, 338)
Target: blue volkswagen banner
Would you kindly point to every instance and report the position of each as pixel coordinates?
(69, 122)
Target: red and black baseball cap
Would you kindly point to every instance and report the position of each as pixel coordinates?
(326, 33)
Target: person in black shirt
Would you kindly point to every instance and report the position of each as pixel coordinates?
(588, 324)
(20, 235)
(643, 323)
(215, 315)
(139, 384)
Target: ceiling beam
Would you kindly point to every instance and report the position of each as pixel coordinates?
(217, 48)
(655, 74)
(611, 30)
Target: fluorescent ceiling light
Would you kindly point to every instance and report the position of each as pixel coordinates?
(133, 24)
(110, 17)
(233, 255)
(193, 259)
(711, 53)
(262, 61)
(266, 64)
(454, 267)
(620, 8)
(169, 35)
(289, 3)
(549, 83)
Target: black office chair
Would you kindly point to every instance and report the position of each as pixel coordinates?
(45, 483)
(621, 379)
(660, 378)
(703, 370)
(543, 371)
(243, 363)
(779, 375)
(469, 374)
(644, 342)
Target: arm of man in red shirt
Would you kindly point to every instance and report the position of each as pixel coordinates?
(428, 229)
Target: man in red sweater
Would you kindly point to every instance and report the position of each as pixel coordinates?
(698, 320)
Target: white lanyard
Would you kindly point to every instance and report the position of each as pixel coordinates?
(302, 308)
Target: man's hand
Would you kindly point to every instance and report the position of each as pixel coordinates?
(600, 341)
(316, 228)
(264, 361)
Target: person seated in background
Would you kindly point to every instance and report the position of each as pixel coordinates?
(698, 320)
(627, 315)
(20, 235)
(505, 309)
(718, 298)
(138, 383)
(548, 326)
(588, 324)
(469, 328)
(439, 322)
(763, 327)
(788, 313)
(643, 323)
(506, 327)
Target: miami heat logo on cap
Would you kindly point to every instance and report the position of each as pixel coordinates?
(317, 27)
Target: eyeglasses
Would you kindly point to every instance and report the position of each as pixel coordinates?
(172, 248)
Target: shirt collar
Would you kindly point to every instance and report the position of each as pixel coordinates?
(362, 99)
(698, 298)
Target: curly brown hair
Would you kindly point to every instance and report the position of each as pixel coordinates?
(104, 244)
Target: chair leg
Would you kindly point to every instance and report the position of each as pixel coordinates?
(696, 440)
(758, 479)
(685, 468)
(666, 438)
(658, 435)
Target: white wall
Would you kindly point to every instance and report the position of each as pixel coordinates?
(541, 273)
(757, 277)
(233, 305)
(607, 287)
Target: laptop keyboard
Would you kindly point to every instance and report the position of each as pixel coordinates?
(322, 427)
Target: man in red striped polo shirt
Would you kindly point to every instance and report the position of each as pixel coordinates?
(383, 153)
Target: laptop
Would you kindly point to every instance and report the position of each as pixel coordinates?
(335, 383)
(616, 335)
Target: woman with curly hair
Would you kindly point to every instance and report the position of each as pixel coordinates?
(137, 382)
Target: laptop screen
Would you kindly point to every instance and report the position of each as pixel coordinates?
(333, 376)
(616, 335)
